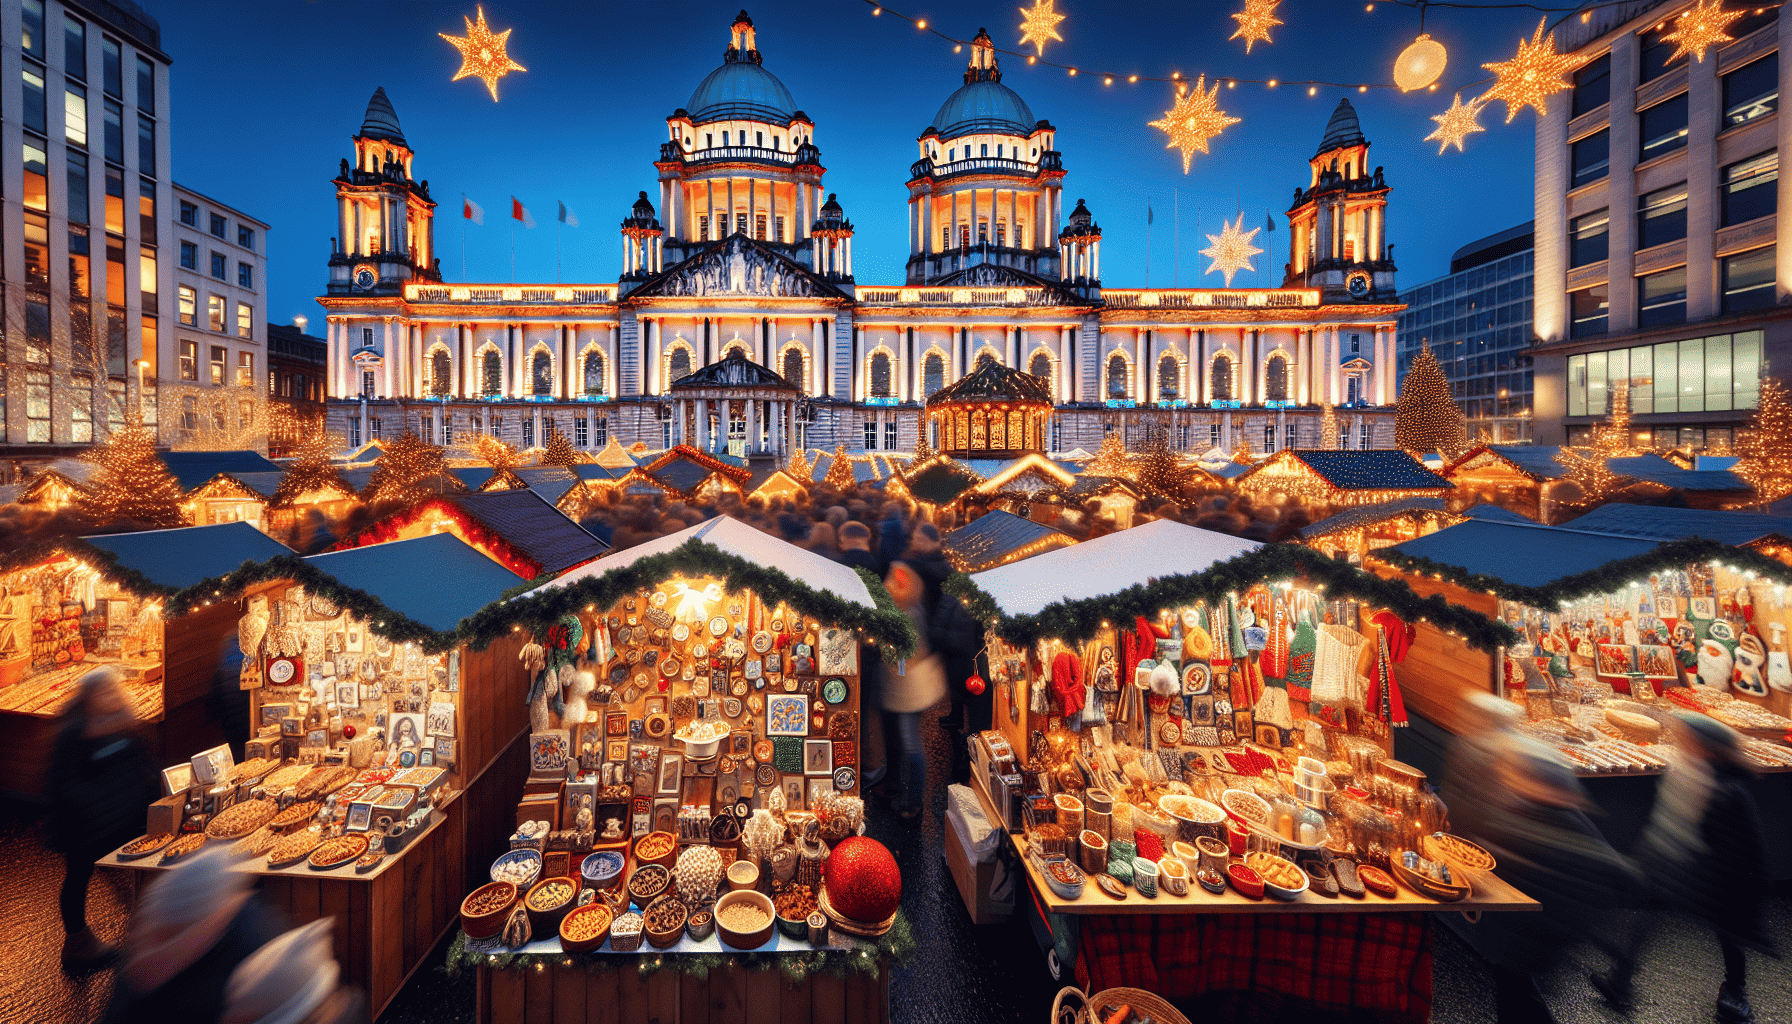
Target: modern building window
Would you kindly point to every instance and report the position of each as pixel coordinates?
(146, 210)
(1588, 311)
(114, 201)
(74, 47)
(1748, 280)
(214, 308)
(1592, 85)
(245, 321)
(1715, 374)
(1656, 52)
(37, 178)
(1751, 188)
(189, 256)
(1661, 216)
(146, 144)
(1661, 298)
(114, 67)
(245, 236)
(114, 131)
(1752, 91)
(77, 187)
(1587, 238)
(245, 367)
(189, 306)
(1591, 158)
(219, 356)
(74, 114)
(31, 36)
(35, 113)
(189, 214)
(1662, 128)
(146, 277)
(245, 275)
(219, 264)
(146, 85)
(1752, 20)
(217, 223)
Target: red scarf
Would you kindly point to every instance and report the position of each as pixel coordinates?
(1393, 638)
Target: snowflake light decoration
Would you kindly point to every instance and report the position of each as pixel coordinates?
(482, 54)
(1255, 21)
(1532, 74)
(1231, 250)
(1194, 119)
(1455, 124)
(1039, 23)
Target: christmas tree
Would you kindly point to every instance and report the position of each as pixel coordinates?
(407, 472)
(1765, 447)
(1241, 452)
(501, 455)
(559, 450)
(1426, 417)
(133, 486)
(1159, 470)
(924, 452)
(312, 471)
(1110, 459)
(1589, 473)
(1328, 428)
(840, 471)
(799, 467)
(1612, 438)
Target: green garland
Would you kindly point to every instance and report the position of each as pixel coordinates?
(893, 947)
(1608, 578)
(1079, 620)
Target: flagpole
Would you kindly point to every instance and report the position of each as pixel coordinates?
(1147, 244)
(463, 236)
(513, 250)
(1175, 238)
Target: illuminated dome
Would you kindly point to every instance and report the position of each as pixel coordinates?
(986, 106)
(741, 89)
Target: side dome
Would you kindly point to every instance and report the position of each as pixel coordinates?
(741, 91)
(985, 106)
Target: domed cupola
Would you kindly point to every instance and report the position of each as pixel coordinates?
(1079, 248)
(642, 249)
(983, 104)
(832, 234)
(741, 89)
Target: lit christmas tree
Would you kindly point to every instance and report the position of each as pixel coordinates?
(1426, 417)
(559, 450)
(408, 471)
(501, 455)
(840, 470)
(924, 452)
(1159, 470)
(799, 466)
(134, 485)
(1241, 452)
(1328, 428)
(1110, 458)
(1765, 447)
(313, 470)
(1612, 438)
(1588, 472)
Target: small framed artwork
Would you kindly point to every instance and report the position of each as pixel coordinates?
(616, 723)
(774, 663)
(665, 815)
(292, 725)
(802, 660)
(211, 767)
(271, 714)
(794, 793)
(353, 641)
(360, 817)
(671, 774)
(427, 758)
(818, 757)
(407, 731)
(441, 719)
(787, 715)
(616, 750)
(838, 654)
(444, 753)
(177, 778)
(819, 788)
(348, 695)
(317, 738)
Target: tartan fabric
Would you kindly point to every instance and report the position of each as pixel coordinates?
(1329, 962)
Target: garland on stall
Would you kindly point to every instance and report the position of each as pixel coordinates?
(472, 529)
(1607, 579)
(1080, 620)
(892, 948)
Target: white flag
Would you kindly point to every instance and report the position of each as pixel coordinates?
(472, 211)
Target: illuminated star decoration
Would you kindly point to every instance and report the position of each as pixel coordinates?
(1454, 124)
(1532, 74)
(1231, 250)
(482, 54)
(1039, 23)
(1255, 21)
(1701, 27)
(695, 602)
(1195, 119)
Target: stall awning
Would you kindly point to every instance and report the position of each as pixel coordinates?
(1650, 522)
(179, 558)
(1107, 564)
(436, 580)
(998, 537)
(528, 521)
(195, 468)
(1368, 515)
(1522, 555)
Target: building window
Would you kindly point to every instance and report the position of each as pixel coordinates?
(1592, 85)
(146, 145)
(31, 37)
(528, 432)
(354, 431)
(214, 310)
(219, 264)
(245, 320)
(492, 374)
(217, 225)
(440, 374)
(1117, 382)
(245, 275)
(1751, 188)
(1661, 216)
(1275, 380)
(1716, 374)
(702, 228)
(1269, 437)
(146, 85)
(1655, 53)
(541, 375)
(1752, 91)
(74, 114)
(1213, 435)
(189, 214)
(1662, 128)
(600, 431)
(793, 368)
(245, 236)
(219, 357)
(594, 373)
(880, 375)
(1221, 379)
(780, 223)
(759, 227)
(146, 210)
(1588, 309)
(890, 436)
(1587, 238)
(581, 433)
(1289, 438)
(1748, 280)
(245, 369)
(189, 256)
(114, 131)
(77, 187)
(933, 374)
(189, 306)
(1169, 374)
(1591, 158)
(1363, 437)
(367, 383)
(36, 115)
(1041, 366)
(679, 365)
(1661, 298)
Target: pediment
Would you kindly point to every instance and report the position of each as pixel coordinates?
(737, 265)
(995, 275)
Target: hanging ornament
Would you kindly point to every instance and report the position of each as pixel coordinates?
(1231, 250)
(1194, 119)
(975, 685)
(1455, 124)
(482, 54)
(1039, 23)
(1255, 21)
(1420, 64)
(1699, 28)
(1532, 74)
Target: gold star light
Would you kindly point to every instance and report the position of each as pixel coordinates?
(1255, 21)
(482, 54)
(1454, 124)
(1195, 119)
(1231, 250)
(1532, 74)
(1701, 27)
(1039, 23)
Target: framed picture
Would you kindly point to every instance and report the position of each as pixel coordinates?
(427, 758)
(271, 714)
(802, 660)
(671, 774)
(360, 816)
(819, 788)
(787, 715)
(444, 753)
(292, 725)
(317, 738)
(353, 641)
(407, 731)
(616, 723)
(348, 695)
(793, 794)
(818, 757)
(177, 778)
(665, 815)
(441, 719)
(617, 751)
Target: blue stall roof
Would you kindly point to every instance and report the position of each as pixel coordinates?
(183, 556)
(195, 468)
(1650, 522)
(1523, 555)
(436, 580)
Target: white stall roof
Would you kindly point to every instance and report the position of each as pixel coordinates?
(1107, 565)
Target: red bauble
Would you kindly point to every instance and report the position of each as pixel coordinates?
(863, 881)
(975, 684)
(348, 732)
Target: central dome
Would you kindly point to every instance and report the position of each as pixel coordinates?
(985, 106)
(741, 91)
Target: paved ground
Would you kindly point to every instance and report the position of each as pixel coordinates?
(961, 973)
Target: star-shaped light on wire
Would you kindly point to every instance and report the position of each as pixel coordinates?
(482, 54)
(1255, 21)
(1231, 250)
(1701, 27)
(1455, 124)
(1532, 74)
(1039, 23)
(1194, 119)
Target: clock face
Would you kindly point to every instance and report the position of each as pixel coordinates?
(1358, 285)
(365, 277)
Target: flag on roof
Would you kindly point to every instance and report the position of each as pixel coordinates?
(567, 217)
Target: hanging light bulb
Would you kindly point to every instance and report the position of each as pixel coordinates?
(1420, 64)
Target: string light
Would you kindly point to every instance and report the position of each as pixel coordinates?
(1194, 119)
(1455, 124)
(1039, 23)
(1255, 21)
(482, 54)
(1699, 28)
(1231, 250)
(1765, 447)
(1533, 74)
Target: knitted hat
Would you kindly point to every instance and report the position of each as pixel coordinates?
(285, 980)
(182, 916)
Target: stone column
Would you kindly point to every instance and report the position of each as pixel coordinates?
(1704, 106)
(753, 425)
(653, 357)
(1620, 184)
(389, 354)
(610, 370)
(703, 424)
(1011, 337)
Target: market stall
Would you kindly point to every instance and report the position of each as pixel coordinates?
(1196, 731)
(72, 607)
(386, 746)
(693, 800)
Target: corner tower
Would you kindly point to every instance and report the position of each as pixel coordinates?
(385, 218)
(1337, 224)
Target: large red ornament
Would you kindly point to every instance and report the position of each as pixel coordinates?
(348, 732)
(975, 684)
(863, 881)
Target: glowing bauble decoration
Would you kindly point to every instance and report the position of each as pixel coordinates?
(863, 881)
(1420, 64)
(975, 685)
(348, 732)
(1533, 74)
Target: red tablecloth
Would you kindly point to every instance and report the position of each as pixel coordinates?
(1330, 962)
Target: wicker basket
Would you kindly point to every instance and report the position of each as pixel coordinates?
(1073, 1007)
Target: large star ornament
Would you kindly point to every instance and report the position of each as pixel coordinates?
(1039, 23)
(1532, 74)
(1699, 28)
(1231, 250)
(1255, 21)
(482, 54)
(1455, 124)
(1195, 119)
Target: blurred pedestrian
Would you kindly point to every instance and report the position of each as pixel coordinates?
(822, 540)
(929, 562)
(293, 980)
(100, 781)
(958, 637)
(1704, 856)
(855, 550)
(1469, 783)
(909, 690)
(227, 703)
(194, 926)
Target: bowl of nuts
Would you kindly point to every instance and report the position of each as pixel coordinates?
(548, 901)
(585, 928)
(519, 867)
(656, 848)
(625, 933)
(483, 912)
(744, 919)
(700, 925)
(794, 904)
(665, 919)
(647, 883)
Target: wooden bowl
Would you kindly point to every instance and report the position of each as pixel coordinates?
(545, 920)
(651, 839)
(592, 917)
(746, 940)
(647, 883)
(743, 874)
(602, 869)
(1425, 885)
(490, 922)
(665, 938)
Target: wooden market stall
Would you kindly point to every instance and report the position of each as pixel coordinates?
(1175, 706)
(363, 687)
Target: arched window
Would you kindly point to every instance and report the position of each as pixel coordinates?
(1040, 366)
(984, 360)
(1222, 379)
(933, 374)
(793, 368)
(541, 374)
(594, 372)
(1117, 382)
(880, 375)
(493, 374)
(1276, 379)
(681, 365)
(1169, 376)
(440, 374)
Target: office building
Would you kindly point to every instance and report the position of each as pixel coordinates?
(220, 335)
(297, 363)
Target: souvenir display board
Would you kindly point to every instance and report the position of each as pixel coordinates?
(63, 618)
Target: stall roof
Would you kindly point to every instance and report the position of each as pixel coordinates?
(939, 483)
(1537, 461)
(1650, 522)
(1107, 564)
(195, 468)
(534, 526)
(1496, 514)
(990, 538)
(1368, 515)
(1657, 470)
(178, 558)
(1524, 555)
(1373, 470)
(472, 477)
(436, 580)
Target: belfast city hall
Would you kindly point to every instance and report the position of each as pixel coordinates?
(736, 323)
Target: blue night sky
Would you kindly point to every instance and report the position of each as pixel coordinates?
(267, 96)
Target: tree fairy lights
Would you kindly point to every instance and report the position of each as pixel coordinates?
(1194, 119)
(313, 471)
(1766, 446)
(1231, 250)
(559, 451)
(1533, 74)
(1426, 417)
(1255, 21)
(482, 53)
(134, 484)
(408, 470)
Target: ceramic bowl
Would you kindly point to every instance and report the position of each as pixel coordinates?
(1244, 807)
(491, 922)
(602, 869)
(743, 874)
(669, 936)
(664, 839)
(700, 926)
(596, 916)
(1172, 874)
(524, 877)
(1213, 881)
(1248, 883)
(1144, 876)
(746, 940)
(545, 920)
(647, 883)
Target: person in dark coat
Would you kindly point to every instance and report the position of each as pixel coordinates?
(227, 703)
(101, 782)
(958, 637)
(1704, 855)
(929, 562)
(855, 550)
